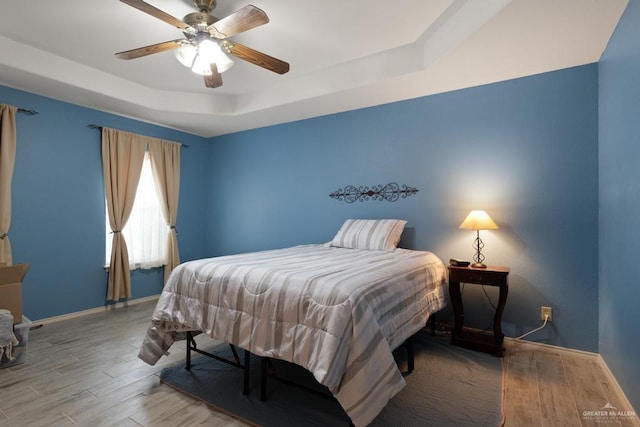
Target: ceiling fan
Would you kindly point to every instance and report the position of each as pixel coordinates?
(206, 40)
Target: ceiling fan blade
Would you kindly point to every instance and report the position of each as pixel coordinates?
(244, 19)
(260, 59)
(157, 13)
(215, 79)
(148, 50)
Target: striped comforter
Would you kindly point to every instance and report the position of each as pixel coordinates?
(337, 312)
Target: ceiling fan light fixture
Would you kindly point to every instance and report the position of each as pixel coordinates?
(201, 66)
(186, 54)
(211, 52)
(199, 57)
(224, 62)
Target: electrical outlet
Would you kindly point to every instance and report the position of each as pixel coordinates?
(544, 312)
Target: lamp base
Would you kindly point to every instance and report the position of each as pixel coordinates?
(478, 265)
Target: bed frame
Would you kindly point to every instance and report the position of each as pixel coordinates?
(193, 346)
(266, 371)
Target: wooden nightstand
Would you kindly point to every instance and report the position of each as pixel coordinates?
(473, 339)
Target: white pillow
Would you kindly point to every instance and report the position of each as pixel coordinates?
(369, 234)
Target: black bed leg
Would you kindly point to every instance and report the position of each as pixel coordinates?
(247, 360)
(263, 378)
(410, 355)
(189, 339)
(433, 324)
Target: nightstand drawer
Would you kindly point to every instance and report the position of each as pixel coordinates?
(476, 275)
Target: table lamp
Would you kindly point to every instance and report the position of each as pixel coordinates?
(478, 220)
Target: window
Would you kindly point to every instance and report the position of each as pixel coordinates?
(146, 230)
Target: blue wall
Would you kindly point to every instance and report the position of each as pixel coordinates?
(59, 210)
(619, 72)
(525, 150)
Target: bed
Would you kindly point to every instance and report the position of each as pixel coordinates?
(337, 309)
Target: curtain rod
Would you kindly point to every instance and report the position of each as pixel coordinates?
(27, 112)
(95, 126)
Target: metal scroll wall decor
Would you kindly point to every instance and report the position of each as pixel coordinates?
(390, 192)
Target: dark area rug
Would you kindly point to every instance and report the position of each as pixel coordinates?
(450, 386)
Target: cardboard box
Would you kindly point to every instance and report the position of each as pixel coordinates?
(11, 289)
(19, 351)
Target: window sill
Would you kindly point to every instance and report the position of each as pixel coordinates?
(139, 266)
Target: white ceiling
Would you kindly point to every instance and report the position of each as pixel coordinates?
(343, 54)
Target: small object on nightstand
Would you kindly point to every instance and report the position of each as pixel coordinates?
(469, 338)
(458, 263)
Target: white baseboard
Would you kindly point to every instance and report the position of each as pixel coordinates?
(551, 346)
(108, 307)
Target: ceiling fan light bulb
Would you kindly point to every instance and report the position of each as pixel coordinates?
(201, 66)
(186, 54)
(209, 50)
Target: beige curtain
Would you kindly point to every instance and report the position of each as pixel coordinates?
(7, 160)
(165, 163)
(122, 157)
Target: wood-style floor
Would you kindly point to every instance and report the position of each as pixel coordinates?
(550, 386)
(85, 371)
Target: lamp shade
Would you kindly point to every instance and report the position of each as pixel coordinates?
(478, 220)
